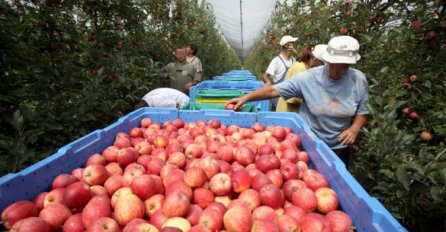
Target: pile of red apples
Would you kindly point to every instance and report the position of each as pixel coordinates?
(195, 176)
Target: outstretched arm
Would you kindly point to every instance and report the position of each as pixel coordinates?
(264, 93)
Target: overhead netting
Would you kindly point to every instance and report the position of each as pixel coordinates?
(242, 21)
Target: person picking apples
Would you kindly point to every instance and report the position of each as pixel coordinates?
(334, 96)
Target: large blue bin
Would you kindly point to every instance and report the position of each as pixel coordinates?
(368, 213)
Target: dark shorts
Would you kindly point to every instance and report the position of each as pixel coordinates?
(345, 154)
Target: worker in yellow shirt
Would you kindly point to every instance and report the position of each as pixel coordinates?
(307, 59)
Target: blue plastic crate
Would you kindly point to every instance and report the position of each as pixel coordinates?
(368, 214)
(240, 72)
(235, 77)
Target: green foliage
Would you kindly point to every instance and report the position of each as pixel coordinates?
(70, 67)
(403, 49)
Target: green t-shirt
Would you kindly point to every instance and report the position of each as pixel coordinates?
(180, 74)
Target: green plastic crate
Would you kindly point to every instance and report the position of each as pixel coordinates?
(220, 93)
(202, 106)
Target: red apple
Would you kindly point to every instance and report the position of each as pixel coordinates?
(245, 156)
(113, 183)
(291, 155)
(295, 211)
(158, 219)
(276, 177)
(143, 186)
(176, 204)
(54, 196)
(193, 151)
(270, 195)
(95, 174)
(104, 224)
(260, 180)
(265, 163)
(110, 153)
(55, 215)
(122, 142)
(172, 229)
(31, 224)
(96, 159)
(63, 180)
(160, 142)
(178, 123)
(178, 222)
(17, 211)
(289, 171)
(113, 168)
(295, 139)
(252, 197)
(77, 195)
(126, 156)
(130, 175)
(178, 159)
(327, 200)
(211, 219)
(237, 219)
(195, 177)
(225, 153)
(266, 149)
(305, 198)
(313, 222)
(139, 225)
(153, 204)
(258, 127)
(315, 181)
(155, 165)
(288, 223)
(127, 208)
(241, 180)
(220, 184)
(264, 225)
(179, 186)
(209, 166)
(97, 207)
(74, 223)
(291, 186)
(135, 132)
(203, 197)
(143, 148)
(279, 133)
(303, 156)
(194, 214)
(265, 213)
(39, 200)
(339, 221)
(215, 124)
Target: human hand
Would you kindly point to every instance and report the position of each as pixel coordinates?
(187, 86)
(348, 136)
(236, 103)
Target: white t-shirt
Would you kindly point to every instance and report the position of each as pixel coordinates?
(195, 61)
(166, 98)
(277, 69)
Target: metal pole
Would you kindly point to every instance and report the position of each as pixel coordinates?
(241, 27)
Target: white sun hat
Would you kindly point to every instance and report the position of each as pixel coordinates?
(286, 39)
(342, 50)
(319, 50)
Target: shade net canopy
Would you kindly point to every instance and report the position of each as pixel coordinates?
(242, 21)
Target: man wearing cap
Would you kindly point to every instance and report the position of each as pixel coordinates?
(164, 98)
(278, 67)
(334, 96)
(309, 58)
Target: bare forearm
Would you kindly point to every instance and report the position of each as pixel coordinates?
(199, 77)
(266, 92)
(359, 121)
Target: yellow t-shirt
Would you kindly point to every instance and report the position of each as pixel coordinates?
(292, 104)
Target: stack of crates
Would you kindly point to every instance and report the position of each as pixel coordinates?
(222, 91)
